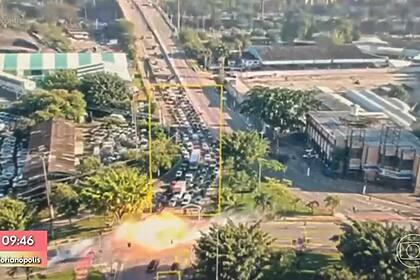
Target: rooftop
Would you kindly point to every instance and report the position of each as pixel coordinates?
(341, 124)
(279, 52)
(55, 61)
(57, 139)
(403, 43)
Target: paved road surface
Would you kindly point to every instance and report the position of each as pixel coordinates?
(207, 102)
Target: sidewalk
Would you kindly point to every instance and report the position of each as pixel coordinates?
(399, 198)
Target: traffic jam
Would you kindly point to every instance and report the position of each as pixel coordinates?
(194, 186)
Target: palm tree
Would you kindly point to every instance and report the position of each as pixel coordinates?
(312, 204)
(263, 200)
(206, 53)
(332, 201)
(222, 51)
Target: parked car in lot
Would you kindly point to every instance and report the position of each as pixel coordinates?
(186, 199)
(198, 200)
(174, 200)
(189, 177)
(178, 174)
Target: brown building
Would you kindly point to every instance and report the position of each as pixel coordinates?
(369, 144)
(51, 143)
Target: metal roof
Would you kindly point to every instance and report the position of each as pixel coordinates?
(56, 61)
(57, 138)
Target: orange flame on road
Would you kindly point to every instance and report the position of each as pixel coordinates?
(158, 232)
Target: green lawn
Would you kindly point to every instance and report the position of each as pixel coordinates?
(284, 201)
(85, 228)
(310, 263)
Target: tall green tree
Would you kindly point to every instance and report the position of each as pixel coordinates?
(165, 153)
(66, 200)
(105, 90)
(263, 200)
(281, 108)
(43, 105)
(370, 249)
(244, 148)
(221, 53)
(89, 164)
(243, 252)
(332, 202)
(116, 192)
(333, 272)
(15, 215)
(62, 79)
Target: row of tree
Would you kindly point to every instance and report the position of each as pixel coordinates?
(245, 252)
(66, 96)
(112, 192)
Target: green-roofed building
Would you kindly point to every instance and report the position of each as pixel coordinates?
(37, 65)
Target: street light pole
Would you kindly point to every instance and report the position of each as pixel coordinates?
(217, 255)
(178, 16)
(48, 192)
(259, 174)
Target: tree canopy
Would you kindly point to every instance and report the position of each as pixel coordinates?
(116, 192)
(369, 249)
(335, 273)
(105, 90)
(280, 108)
(15, 215)
(244, 252)
(62, 79)
(332, 201)
(165, 152)
(42, 105)
(65, 200)
(89, 164)
(244, 148)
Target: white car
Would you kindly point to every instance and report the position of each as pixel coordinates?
(205, 147)
(207, 157)
(186, 200)
(189, 177)
(174, 200)
(178, 174)
(190, 146)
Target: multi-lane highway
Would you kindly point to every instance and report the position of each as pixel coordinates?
(206, 102)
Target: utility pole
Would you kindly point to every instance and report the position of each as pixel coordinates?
(178, 15)
(134, 117)
(48, 192)
(217, 255)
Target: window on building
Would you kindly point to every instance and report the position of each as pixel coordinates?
(390, 162)
(406, 164)
(356, 153)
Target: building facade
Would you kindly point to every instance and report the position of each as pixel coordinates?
(366, 143)
(37, 65)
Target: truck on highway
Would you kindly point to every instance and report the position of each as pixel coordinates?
(194, 159)
(179, 187)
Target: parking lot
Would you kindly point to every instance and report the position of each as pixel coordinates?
(112, 142)
(13, 155)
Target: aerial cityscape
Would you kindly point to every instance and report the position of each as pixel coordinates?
(210, 139)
